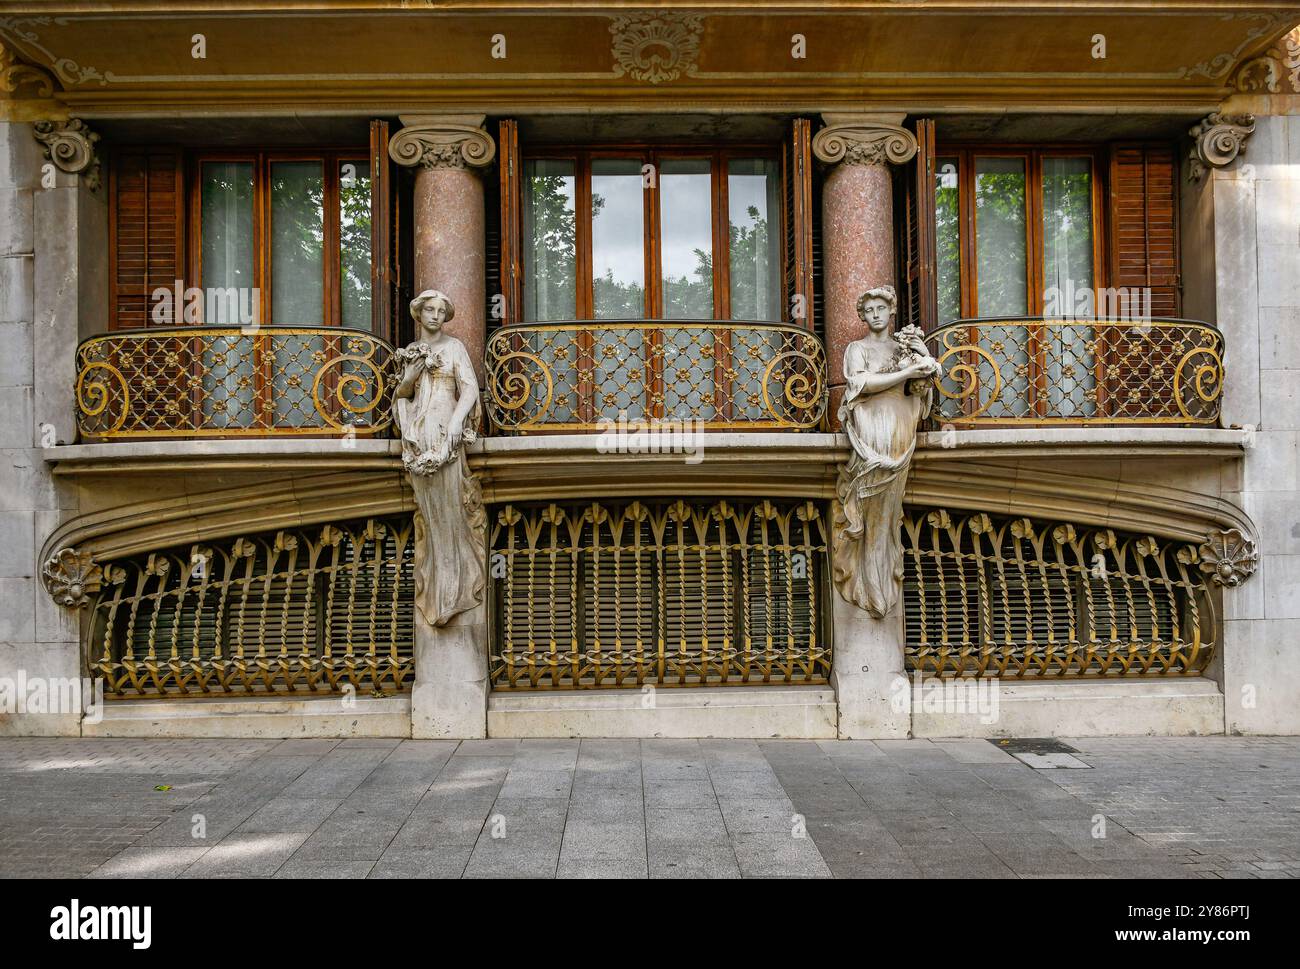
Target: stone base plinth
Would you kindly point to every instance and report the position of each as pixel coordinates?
(449, 701)
(255, 718)
(867, 672)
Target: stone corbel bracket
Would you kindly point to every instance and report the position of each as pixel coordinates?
(71, 146)
(73, 578)
(1229, 557)
(1217, 141)
(442, 143)
(864, 143)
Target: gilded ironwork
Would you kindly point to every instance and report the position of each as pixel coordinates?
(679, 594)
(216, 381)
(573, 376)
(318, 609)
(1047, 371)
(1021, 598)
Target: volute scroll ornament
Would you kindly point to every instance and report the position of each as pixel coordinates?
(864, 143)
(442, 144)
(1217, 141)
(437, 411)
(890, 380)
(71, 146)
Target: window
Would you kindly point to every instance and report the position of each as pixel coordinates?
(652, 234)
(285, 236)
(1017, 232)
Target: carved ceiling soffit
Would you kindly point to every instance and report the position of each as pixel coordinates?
(1221, 64)
(1217, 141)
(20, 33)
(864, 143)
(1276, 71)
(442, 144)
(656, 46)
(71, 146)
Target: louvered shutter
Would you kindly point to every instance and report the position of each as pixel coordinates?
(915, 220)
(146, 199)
(1144, 223)
(382, 234)
(798, 205)
(508, 252)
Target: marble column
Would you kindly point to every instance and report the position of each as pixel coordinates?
(449, 696)
(449, 151)
(857, 223)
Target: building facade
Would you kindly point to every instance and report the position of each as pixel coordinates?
(665, 239)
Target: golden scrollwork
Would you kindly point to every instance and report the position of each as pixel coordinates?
(219, 381)
(1007, 371)
(723, 375)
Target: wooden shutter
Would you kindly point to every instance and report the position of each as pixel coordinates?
(146, 237)
(510, 227)
(798, 206)
(1144, 223)
(915, 219)
(383, 225)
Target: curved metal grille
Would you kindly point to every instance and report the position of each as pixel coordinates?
(1023, 598)
(209, 381)
(311, 610)
(1036, 371)
(573, 376)
(672, 594)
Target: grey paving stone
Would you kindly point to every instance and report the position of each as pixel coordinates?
(286, 815)
(405, 862)
(778, 856)
(246, 856)
(693, 861)
(149, 863)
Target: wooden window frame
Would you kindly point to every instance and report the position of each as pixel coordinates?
(656, 154)
(1033, 156)
(330, 160)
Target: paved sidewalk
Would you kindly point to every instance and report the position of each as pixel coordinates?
(1205, 807)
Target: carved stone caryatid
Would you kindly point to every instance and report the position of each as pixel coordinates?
(1217, 141)
(863, 142)
(1228, 557)
(71, 146)
(456, 142)
(437, 410)
(889, 388)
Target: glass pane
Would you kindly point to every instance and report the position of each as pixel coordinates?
(947, 214)
(686, 228)
(1067, 237)
(617, 239)
(297, 243)
(550, 235)
(1068, 285)
(754, 238)
(227, 250)
(354, 243)
(1000, 236)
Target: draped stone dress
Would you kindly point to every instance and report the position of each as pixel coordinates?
(450, 550)
(881, 428)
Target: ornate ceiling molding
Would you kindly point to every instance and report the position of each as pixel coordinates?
(17, 77)
(1276, 71)
(864, 142)
(17, 32)
(656, 46)
(71, 146)
(1222, 64)
(1217, 141)
(457, 142)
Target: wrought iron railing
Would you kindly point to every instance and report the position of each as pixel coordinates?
(1044, 371)
(217, 381)
(1019, 598)
(310, 610)
(670, 594)
(579, 376)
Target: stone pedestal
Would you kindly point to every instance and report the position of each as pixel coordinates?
(857, 224)
(449, 699)
(448, 216)
(867, 672)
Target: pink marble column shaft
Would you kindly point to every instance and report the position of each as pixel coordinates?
(449, 249)
(858, 242)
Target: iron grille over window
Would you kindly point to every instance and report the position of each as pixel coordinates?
(672, 594)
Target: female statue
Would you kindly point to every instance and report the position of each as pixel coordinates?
(437, 411)
(889, 389)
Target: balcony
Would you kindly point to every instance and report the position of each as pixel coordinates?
(1025, 372)
(580, 376)
(220, 382)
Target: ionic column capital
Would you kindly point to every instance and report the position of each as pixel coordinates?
(443, 141)
(867, 139)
